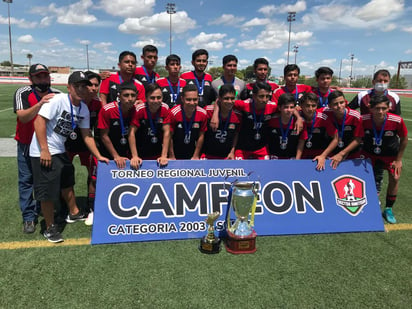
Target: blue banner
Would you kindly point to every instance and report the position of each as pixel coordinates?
(155, 203)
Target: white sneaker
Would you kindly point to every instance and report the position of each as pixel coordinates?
(89, 220)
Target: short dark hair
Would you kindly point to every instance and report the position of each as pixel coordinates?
(127, 86)
(309, 96)
(91, 74)
(149, 49)
(381, 72)
(171, 58)
(323, 70)
(189, 88)
(198, 53)
(226, 88)
(260, 61)
(378, 98)
(150, 88)
(126, 53)
(290, 67)
(335, 94)
(286, 98)
(261, 85)
(229, 58)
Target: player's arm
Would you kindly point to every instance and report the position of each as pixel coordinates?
(299, 149)
(163, 160)
(231, 155)
(91, 145)
(299, 121)
(322, 157)
(104, 136)
(135, 161)
(214, 121)
(397, 164)
(171, 149)
(41, 134)
(103, 98)
(199, 145)
(26, 115)
(341, 155)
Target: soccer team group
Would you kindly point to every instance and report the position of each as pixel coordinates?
(134, 115)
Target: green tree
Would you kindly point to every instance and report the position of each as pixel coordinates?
(364, 82)
(161, 70)
(5, 63)
(401, 84)
(216, 72)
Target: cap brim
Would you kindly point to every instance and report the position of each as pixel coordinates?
(39, 72)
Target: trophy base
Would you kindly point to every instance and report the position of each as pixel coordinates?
(240, 244)
(209, 247)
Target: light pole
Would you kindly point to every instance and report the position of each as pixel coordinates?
(11, 50)
(291, 17)
(295, 50)
(340, 71)
(351, 66)
(171, 9)
(87, 56)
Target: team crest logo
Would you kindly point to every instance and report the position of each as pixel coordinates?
(350, 193)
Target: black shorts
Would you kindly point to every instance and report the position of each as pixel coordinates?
(48, 182)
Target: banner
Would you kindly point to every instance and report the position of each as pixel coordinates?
(155, 203)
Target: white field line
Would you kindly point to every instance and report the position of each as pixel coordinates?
(5, 110)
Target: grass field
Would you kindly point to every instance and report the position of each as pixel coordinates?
(353, 270)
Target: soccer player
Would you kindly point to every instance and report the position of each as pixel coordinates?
(198, 77)
(110, 86)
(380, 82)
(256, 113)
(324, 77)
(348, 122)
(27, 102)
(76, 146)
(261, 70)
(385, 140)
(229, 76)
(172, 85)
(320, 131)
(113, 122)
(53, 172)
(291, 74)
(284, 142)
(146, 74)
(220, 144)
(188, 124)
(149, 133)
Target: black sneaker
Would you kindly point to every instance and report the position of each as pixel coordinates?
(80, 216)
(52, 234)
(29, 227)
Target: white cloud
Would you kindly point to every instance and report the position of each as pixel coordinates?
(102, 45)
(377, 9)
(211, 41)
(46, 21)
(84, 42)
(25, 39)
(371, 49)
(407, 29)
(389, 28)
(227, 19)
(128, 8)
(21, 23)
(256, 22)
(143, 43)
(269, 10)
(156, 23)
(55, 42)
(408, 51)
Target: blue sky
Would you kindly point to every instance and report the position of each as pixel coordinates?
(377, 32)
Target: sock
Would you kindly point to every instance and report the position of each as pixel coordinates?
(90, 201)
(390, 200)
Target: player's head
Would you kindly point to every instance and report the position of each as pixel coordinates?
(229, 58)
(381, 80)
(172, 58)
(227, 96)
(291, 74)
(286, 105)
(39, 76)
(199, 60)
(377, 99)
(154, 96)
(261, 69)
(149, 56)
(309, 103)
(173, 64)
(200, 52)
(190, 98)
(78, 85)
(126, 53)
(95, 80)
(324, 71)
(379, 106)
(127, 62)
(127, 93)
(337, 102)
(230, 65)
(262, 92)
(290, 68)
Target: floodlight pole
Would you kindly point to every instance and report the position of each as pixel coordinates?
(295, 50)
(11, 49)
(87, 56)
(340, 71)
(351, 66)
(291, 17)
(171, 9)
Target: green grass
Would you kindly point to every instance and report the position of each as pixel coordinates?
(354, 270)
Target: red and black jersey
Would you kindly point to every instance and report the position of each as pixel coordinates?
(298, 92)
(78, 144)
(363, 98)
(171, 91)
(204, 84)
(247, 93)
(393, 130)
(219, 143)
(351, 129)
(252, 132)
(320, 133)
(184, 144)
(109, 118)
(323, 97)
(144, 77)
(149, 140)
(24, 98)
(110, 87)
(287, 148)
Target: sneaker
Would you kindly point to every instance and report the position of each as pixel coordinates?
(89, 220)
(388, 215)
(52, 234)
(80, 216)
(29, 227)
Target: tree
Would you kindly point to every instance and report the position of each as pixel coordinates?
(161, 70)
(216, 72)
(394, 84)
(364, 82)
(6, 63)
(29, 56)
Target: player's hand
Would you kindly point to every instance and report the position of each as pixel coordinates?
(103, 159)
(46, 98)
(298, 125)
(120, 162)
(336, 159)
(136, 162)
(230, 156)
(397, 168)
(104, 74)
(321, 162)
(45, 158)
(195, 158)
(162, 161)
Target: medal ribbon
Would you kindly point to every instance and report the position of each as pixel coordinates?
(121, 119)
(151, 122)
(187, 126)
(296, 92)
(152, 78)
(378, 139)
(226, 125)
(200, 88)
(74, 125)
(323, 103)
(284, 132)
(261, 116)
(312, 126)
(174, 95)
(342, 128)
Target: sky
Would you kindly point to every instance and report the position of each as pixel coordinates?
(378, 33)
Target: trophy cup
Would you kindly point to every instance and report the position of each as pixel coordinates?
(241, 238)
(210, 244)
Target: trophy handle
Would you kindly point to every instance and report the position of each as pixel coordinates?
(252, 215)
